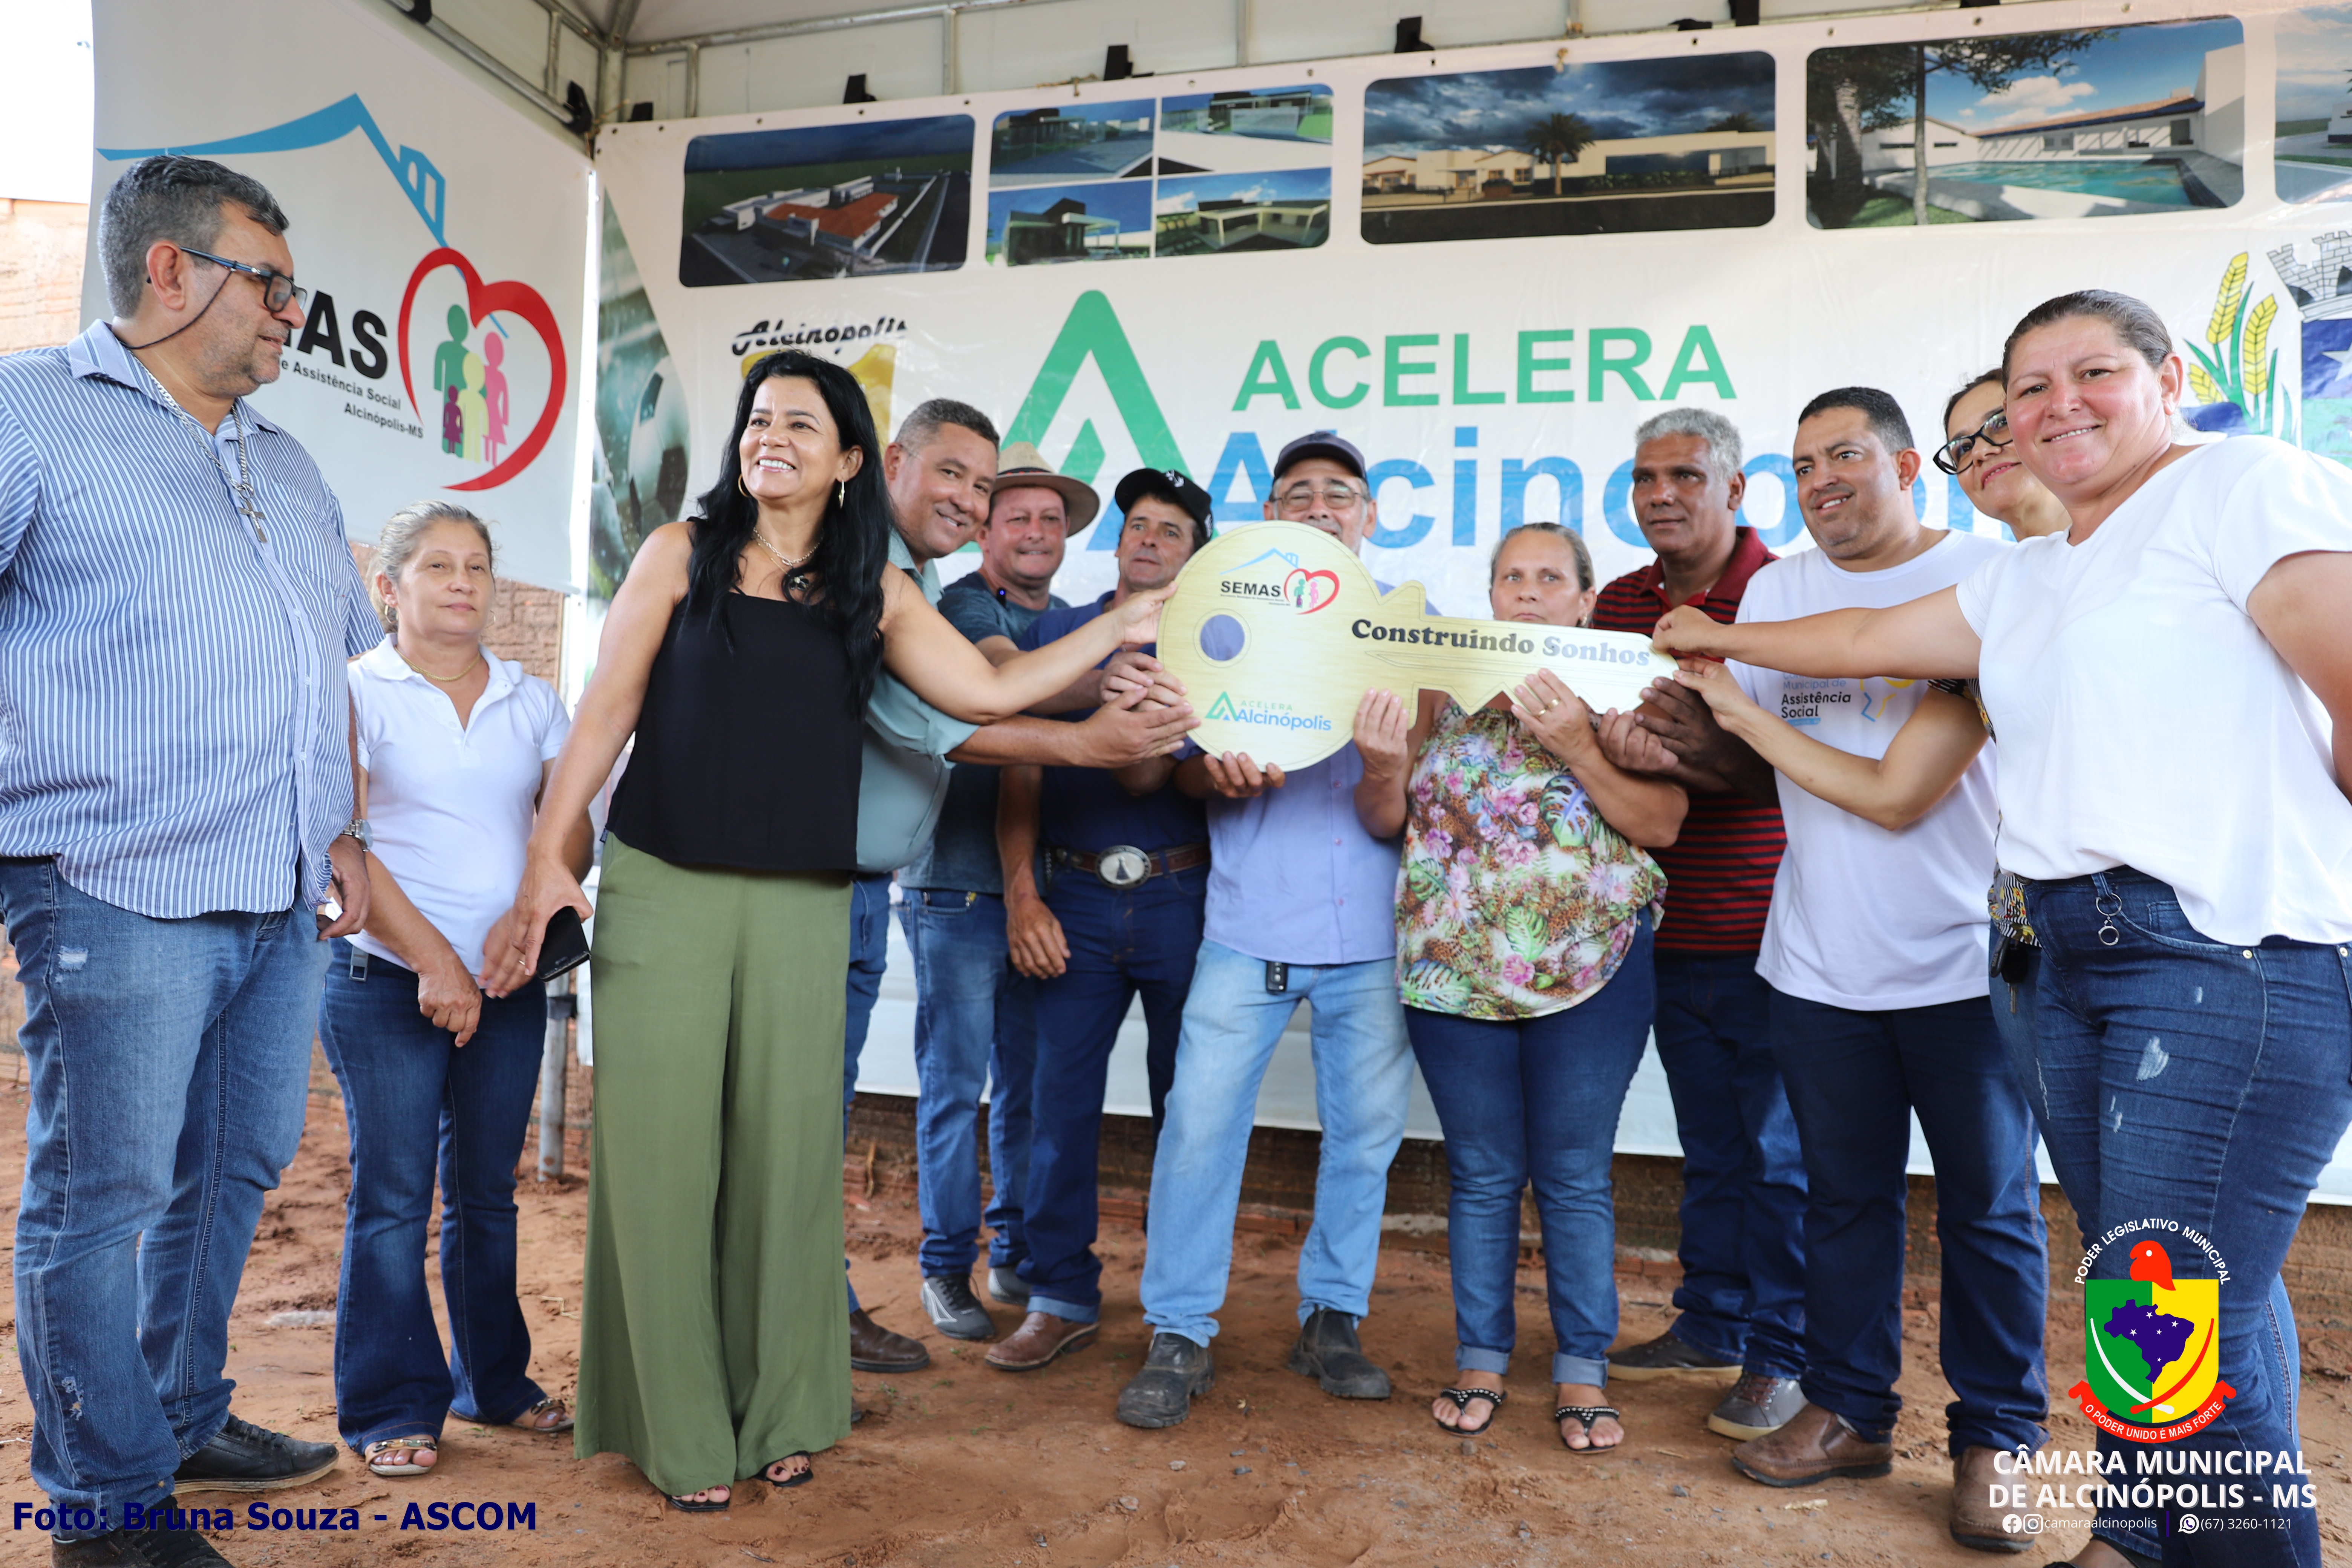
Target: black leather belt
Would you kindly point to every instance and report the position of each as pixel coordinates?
(1125, 866)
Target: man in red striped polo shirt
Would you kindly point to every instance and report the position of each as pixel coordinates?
(1742, 1296)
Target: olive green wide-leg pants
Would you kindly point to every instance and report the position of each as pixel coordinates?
(714, 1337)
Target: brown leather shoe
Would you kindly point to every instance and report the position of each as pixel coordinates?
(1040, 1338)
(1815, 1445)
(1976, 1519)
(873, 1348)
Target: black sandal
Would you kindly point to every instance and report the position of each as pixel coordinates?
(686, 1505)
(799, 1479)
(1462, 1398)
(1589, 1414)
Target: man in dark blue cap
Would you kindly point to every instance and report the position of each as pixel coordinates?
(1312, 918)
(1126, 861)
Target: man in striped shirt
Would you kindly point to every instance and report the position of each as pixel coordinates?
(177, 600)
(1742, 1295)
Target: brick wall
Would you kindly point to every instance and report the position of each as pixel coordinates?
(41, 248)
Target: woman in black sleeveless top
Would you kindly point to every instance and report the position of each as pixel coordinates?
(740, 651)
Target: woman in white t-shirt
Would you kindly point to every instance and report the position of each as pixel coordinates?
(437, 1079)
(2171, 680)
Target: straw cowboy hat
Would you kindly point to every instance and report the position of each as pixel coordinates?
(1020, 466)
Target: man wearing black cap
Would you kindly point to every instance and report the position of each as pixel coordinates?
(1126, 859)
(1301, 906)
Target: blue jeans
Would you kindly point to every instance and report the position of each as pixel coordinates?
(975, 1027)
(1536, 1101)
(2191, 1081)
(1742, 1297)
(1122, 940)
(419, 1105)
(170, 1062)
(1853, 1079)
(1363, 1076)
(869, 957)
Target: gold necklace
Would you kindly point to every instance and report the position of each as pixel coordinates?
(786, 563)
(446, 679)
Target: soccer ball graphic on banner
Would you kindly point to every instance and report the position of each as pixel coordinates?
(652, 490)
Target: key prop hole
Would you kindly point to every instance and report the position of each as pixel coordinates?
(1222, 638)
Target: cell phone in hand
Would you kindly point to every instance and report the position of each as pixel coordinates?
(565, 945)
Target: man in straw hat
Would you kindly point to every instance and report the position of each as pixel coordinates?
(973, 1012)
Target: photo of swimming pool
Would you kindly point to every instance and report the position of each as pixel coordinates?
(2156, 181)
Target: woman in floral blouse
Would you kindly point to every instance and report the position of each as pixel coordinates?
(1523, 913)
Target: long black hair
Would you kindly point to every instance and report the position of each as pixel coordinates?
(844, 578)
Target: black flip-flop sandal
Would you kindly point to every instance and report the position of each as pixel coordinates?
(802, 1480)
(1462, 1398)
(1589, 1414)
(686, 1505)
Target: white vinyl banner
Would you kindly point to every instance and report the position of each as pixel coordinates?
(444, 239)
(1487, 267)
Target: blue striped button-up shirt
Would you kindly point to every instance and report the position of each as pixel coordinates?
(172, 709)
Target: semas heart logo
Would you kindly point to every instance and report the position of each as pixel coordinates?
(1310, 591)
(517, 299)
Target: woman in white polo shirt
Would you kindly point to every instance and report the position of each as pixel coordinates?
(2171, 680)
(436, 1077)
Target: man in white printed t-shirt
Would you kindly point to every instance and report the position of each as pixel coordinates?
(1875, 949)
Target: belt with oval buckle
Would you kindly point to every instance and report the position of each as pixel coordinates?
(1125, 866)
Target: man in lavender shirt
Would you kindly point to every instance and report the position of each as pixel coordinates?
(1301, 906)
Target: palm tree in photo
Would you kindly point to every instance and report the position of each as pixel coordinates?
(1559, 138)
(1741, 121)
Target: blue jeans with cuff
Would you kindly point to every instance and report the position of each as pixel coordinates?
(1742, 1296)
(1363, 1077)
(421, 1106)
(170, 1069)
(1854, 1079)
(2197, 1082)
(1534, 1102)
(1122, 940)
(870, 959)
(975, 1027)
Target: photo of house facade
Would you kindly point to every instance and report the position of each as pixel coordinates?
(2149, 120)
(1616, 147)
(1039, 226)
(1261, 129)
(1208, 215)
(827, 202)
(2313, 127)
(1071, 142)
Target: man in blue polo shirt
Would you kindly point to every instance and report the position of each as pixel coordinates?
(1301, 906)
(1127, 857)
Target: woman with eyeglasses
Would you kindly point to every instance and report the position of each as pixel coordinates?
(1525, 910)
(740, 652)
(2171, 677)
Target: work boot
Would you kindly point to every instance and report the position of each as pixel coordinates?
(1041, 1337)
(1976, 1520)
(135, 1549)
(243, 1457)
(873, 1348)
(1329, 1352)
(1758, 1404)
(1161, 1393)
(1668, 1355)
(954, 1310)
(1815, 1446)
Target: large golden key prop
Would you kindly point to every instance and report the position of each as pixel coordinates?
(1277, 631)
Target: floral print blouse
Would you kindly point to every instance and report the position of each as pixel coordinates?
(1515, 898)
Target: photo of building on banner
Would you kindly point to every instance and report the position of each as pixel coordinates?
(829, 201)
(1614, 148)
(2091, 122)
(2314, 105)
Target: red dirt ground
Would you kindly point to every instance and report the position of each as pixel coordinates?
(959, 1465)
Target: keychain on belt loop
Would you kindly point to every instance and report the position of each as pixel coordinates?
(2108, 934)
